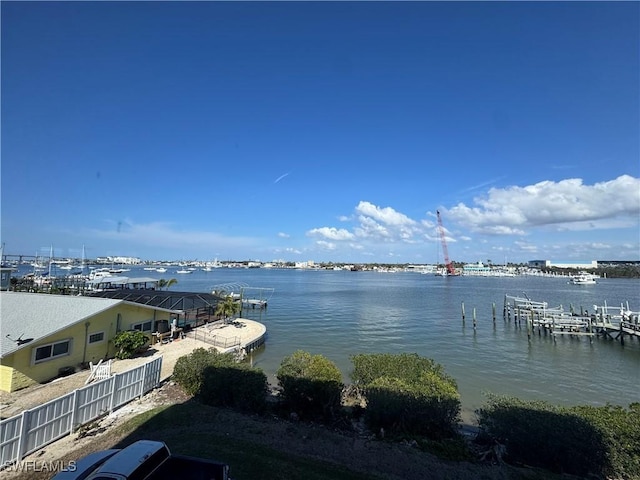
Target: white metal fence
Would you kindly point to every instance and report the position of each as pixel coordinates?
(25, 433)
(221, 341)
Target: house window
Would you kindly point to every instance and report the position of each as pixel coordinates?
(96, 337)
(143, 326)
(51, 351)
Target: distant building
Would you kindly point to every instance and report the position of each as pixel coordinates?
(5, 278)
(307, 264)
(550, 264)
(119, 260)
(538, 263)
(476, 269)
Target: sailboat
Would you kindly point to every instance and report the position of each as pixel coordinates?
(79, 269)
(211, 265)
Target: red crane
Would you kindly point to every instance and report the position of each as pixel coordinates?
(450, 270)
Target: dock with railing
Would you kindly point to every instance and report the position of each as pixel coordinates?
(239, 335)
(606, 321)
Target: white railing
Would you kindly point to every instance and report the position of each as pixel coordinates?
(32, 429)
(211, 338)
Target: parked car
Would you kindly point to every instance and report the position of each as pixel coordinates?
(143, 460)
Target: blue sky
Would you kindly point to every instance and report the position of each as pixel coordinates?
(328, 131)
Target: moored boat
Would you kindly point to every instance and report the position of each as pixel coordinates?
(583, 278)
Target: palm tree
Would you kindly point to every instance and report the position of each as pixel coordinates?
(162, 283)
(227, 308)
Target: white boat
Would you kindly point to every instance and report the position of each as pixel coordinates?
(583, 278)
(97, 273)
(184, 271)
(161, 269)
(209, 266)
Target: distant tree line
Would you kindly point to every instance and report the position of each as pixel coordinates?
(606, 271)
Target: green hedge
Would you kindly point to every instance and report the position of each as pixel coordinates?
(188, 371)
(311, 385)
(406, 393)
(579, 440)
(219, 379)
(237, 386)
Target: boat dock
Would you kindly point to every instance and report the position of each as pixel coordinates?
(240, 335)
(614, 323)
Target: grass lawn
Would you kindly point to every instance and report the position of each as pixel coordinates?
(248, 460)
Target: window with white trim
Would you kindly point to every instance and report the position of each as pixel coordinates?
(142, 326)
(51, 351)
(95, 338)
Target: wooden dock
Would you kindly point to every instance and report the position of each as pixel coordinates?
(614, 323)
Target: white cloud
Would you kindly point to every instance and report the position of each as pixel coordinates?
(164, 234)
(281, 177)
(566, 203)
(385, 215)
(283, 235)
(369, 228)
(526, 247)
(331, 233)
(326, 245)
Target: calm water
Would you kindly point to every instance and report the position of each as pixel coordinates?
(341, 313)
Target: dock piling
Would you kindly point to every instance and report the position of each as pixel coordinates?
(463, 314)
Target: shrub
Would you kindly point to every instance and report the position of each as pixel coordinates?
(188, 371)
(620, 430)
(580, 440)
(129, 342)
(406, 393)
(237, 386)
(408, 366)
(311, 384)
(219, 379)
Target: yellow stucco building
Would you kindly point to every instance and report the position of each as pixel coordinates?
(42, 335)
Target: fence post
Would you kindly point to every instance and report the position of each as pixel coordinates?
(142, 381)
(74, 410)
(22, 443)
(113, 392)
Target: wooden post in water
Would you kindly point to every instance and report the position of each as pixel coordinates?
(474, 318)
(529, 326)
(504, 308)
(621, 333)
(463, 314)
(493, 311)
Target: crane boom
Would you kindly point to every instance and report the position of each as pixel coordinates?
(445, 251)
